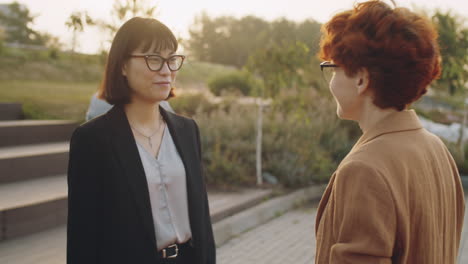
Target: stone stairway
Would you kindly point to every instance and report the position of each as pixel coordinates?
(33, 166)
(33, 189)
(11, 111)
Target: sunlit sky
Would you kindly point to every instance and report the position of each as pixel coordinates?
(179, 14)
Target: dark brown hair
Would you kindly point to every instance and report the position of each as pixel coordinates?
(133, 33)
(398, 47)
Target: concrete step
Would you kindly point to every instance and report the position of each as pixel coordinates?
(224, 204)
(33, 161)
(11, 111)
(49, 246)
(24, 132)
(46, 247)
(31, 206)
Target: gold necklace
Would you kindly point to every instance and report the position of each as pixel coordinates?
(154, 133)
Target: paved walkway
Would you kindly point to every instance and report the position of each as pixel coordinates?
(289, 238)
(286, 239)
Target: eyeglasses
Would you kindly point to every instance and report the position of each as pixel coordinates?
(328, 70)
(156, 62)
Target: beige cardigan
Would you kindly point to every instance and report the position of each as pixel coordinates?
(396, 198)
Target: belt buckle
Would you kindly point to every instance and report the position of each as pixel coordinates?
(171, 256)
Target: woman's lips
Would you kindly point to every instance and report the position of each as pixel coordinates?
(162, 83)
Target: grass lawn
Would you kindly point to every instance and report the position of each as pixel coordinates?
(61, 88)
(61, 100)
(49, 100)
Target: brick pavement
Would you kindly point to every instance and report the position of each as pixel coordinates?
(286, 239)
(289, 238)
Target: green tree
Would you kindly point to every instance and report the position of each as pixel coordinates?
(226, 39)
(453, 41)
(223, 40)
(278, 67)
(231, 41)
(123, 10)
(283, 31)
(308, 32)
(246, 35)
(17, 24)
(77, 22)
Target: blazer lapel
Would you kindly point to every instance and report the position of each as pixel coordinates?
(324, 201)
(185, 145)
(129, 158)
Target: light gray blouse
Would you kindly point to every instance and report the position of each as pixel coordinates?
(167, 187)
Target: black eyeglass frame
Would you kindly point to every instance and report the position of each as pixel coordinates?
(146, 57)
(327, 64)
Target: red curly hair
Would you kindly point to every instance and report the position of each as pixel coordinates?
(398, 48)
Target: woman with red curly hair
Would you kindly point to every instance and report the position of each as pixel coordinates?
(397, 196)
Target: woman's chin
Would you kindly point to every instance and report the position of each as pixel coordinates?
(158, 99)
(159, 94)
(342, 114)
(339, 112)
(152, 99)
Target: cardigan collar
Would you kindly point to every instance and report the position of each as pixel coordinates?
(396, 122)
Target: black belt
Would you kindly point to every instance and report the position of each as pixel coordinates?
(174, 250)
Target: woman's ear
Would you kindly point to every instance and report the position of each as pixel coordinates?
(362, 80)
(124, 69)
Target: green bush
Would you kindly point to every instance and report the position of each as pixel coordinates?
(53, 53)
(189, 104)
(301, 145)
(462, 164)
(196, 74)
(228, 143)
(232, 83)
(33, 111)
(304, 140)
(438, 116)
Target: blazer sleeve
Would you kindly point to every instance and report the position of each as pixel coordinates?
(83, 199)
(365, 218)
(210, 243)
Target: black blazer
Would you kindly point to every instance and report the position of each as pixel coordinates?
(109, 211)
